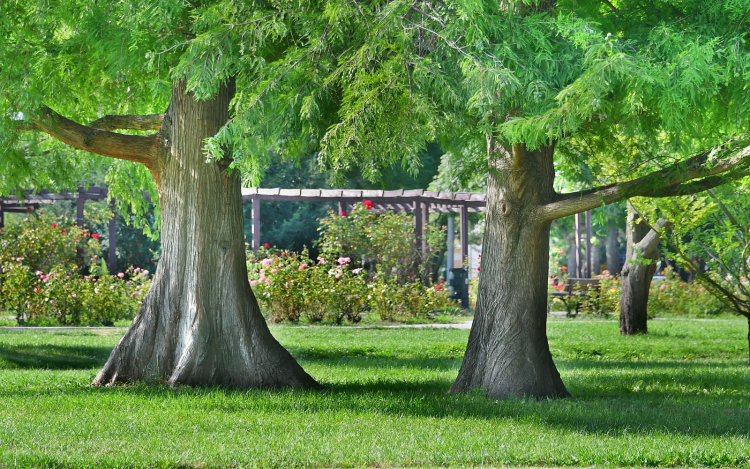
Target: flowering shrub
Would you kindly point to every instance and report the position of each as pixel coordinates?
(673, 296)
(668, 296)
(290, 286)
(42, 284)
(384, 241)
(43, 242)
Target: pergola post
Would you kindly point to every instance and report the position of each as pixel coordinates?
(588, 243)
(450, 253)
(112, 261)
(418, 225)
(256, 224)
(577, 227)
(464, 233)
(80, 201)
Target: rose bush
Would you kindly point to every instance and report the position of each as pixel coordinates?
(42, 277)
(383, 243)
(668, 296)
(290, 286)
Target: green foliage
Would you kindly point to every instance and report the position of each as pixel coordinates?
(383, 241)
(710, 239)
(43, 242)
(42, 284)
(290, 286)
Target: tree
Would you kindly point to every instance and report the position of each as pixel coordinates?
(711, 239)
(200, 323)
(643, 251)
(520, 85)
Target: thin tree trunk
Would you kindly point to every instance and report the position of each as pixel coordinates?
(642, 251)
(596, 257)
(200, 322)
(508, 353)
(748, 340)
(613, 250)
(572, 265)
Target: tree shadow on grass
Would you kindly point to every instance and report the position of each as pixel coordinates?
(52, 357)
(613, 397)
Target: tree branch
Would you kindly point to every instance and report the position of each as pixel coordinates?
(137, 148)
(646, 247)
(676, 179)
(122, 122)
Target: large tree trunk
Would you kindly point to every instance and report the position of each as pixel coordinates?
(200, 323)
(613, 250)
(639, 268)
(508, 353)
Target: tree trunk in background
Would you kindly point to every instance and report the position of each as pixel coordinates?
(596, 258)
(613, 250)
(639, 268)
(200, 323)
(508, 353)
(572, 265)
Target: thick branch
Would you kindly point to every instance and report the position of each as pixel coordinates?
(646, 247)
(149, 122)
(676, 179)
(138, 148)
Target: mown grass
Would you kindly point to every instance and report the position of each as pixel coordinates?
(679, 396)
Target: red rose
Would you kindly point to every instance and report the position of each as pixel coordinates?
(368, 204)
(563, 268)
(54, 225)
(28, 209)
(62, 231)
(343, 214)
(94, 235)
(266, 245)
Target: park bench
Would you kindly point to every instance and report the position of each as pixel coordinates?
(575, 292)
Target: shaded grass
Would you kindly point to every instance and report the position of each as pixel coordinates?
(677, 397)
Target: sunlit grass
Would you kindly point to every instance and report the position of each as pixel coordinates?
(679, 396)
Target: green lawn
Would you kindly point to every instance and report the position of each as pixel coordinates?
(677, 397)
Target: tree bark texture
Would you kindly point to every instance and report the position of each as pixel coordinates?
(508, 353)
(200, 323)
(613, 250)
(639, 268)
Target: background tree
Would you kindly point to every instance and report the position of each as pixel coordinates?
(103, 62)
(515, 82)
(711, 239)
(638, 271)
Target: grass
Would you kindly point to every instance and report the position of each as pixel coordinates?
(679, 396)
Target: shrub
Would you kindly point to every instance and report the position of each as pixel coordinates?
(42, 284)
(290, 286)
(672, 296)
(383, 241)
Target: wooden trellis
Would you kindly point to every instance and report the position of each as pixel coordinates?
(418, 201)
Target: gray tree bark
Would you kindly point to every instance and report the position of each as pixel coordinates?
(200, 323)
(639, 268)
(613, 248)
(508, 353)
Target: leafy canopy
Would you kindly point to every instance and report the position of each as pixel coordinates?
(367, 83)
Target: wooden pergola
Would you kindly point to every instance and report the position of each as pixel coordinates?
(417, 201)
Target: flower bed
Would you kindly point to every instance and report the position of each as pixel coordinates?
(42, 281)
(386, 283)
(290, 287)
